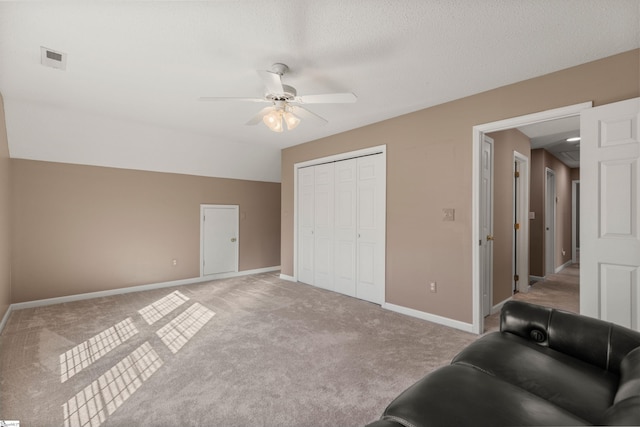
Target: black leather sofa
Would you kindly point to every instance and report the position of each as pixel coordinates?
(544, 367)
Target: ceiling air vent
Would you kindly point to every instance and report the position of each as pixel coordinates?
(53, 59)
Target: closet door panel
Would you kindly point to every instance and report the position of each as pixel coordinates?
(306, 242)
(324, 224)
(345, 227)
(370, 229)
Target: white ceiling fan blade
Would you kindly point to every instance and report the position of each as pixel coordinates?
(258, 117)
(305, 114)
(273, 81)
(225, 98)
(328, 98)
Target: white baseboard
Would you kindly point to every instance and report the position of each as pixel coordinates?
(563, 266)
(119, 291)
(288, 278)
(536, 278)
(5, 318)
(496, 308)
(467, 327)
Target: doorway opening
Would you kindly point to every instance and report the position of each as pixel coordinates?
(477, 213)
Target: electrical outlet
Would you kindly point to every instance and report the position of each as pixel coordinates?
(174, 262)
(433, 287)
(448, 214)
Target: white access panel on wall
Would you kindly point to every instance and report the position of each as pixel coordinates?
(219, 239)
(610, 210)
(341, 226)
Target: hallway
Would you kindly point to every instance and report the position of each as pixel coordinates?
(561, 290)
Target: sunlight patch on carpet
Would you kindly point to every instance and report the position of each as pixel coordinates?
(91, 406)
(88, 352)
(181, 329)
(165, 305)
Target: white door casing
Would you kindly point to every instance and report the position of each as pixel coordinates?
(610, 209)
(486, 224)
(219, 251)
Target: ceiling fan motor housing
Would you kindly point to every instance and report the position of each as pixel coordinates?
(289, 94)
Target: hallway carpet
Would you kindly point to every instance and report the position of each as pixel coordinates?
(560, 290)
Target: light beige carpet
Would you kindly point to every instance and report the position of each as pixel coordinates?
(252, 350)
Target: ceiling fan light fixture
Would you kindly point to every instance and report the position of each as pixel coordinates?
(291, 120)
(273, 120)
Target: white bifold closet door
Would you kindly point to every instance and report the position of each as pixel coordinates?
(341, 227)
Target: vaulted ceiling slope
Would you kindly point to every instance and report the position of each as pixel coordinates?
(129, 95)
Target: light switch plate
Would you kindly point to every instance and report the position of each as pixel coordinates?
(448, 214)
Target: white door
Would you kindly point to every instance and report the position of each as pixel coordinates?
(323, 226)
(575, 220)
(486, 224)
(306, 242)
(219, 239)
(610, 210)
(345, 227)
(550, 223)
(371, 225)
(521, 227)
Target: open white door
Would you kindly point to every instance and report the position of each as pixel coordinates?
(550, 223)
(521, 222)
(610, 245)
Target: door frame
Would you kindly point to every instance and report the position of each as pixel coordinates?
(379, 149)
(236, 208)
(478, 132)
(550, 221)
(521, 261)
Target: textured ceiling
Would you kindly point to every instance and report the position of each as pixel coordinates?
(138, 68)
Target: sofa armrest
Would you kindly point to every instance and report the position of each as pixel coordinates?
(594, 341)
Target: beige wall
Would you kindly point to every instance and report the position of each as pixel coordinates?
(81, 229)
(541, 160)
(5, 210)
(429, 168)
(505, 143)
(575, 174)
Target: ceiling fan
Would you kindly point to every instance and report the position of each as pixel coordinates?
(286, 104)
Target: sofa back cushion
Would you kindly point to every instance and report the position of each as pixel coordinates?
(591, 340)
